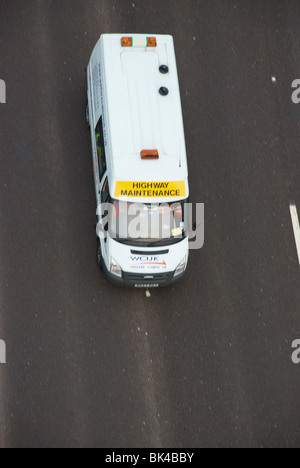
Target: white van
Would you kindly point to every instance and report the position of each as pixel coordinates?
(139, 156)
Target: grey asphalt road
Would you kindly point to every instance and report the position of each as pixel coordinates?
(206, 363)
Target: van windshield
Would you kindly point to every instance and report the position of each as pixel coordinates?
(147, 225)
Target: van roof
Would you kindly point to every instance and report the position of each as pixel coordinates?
(137, 117)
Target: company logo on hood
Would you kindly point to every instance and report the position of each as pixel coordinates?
(144, 260)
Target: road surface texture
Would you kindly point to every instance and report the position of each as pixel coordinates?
(206, 363)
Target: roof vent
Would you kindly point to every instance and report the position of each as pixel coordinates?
(163, 91)
(164, 69)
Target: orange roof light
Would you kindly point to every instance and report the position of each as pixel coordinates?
(151, 42)
(138, 41)
(149, 154)
(126, 41)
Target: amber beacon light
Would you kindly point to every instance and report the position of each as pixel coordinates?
(126, 41)
(138, 41)
(149, 154)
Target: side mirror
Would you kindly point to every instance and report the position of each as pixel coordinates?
(101, 228)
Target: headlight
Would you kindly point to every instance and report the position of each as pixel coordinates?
(115, 268)
(181, 267)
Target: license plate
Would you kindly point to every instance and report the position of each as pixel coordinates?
(146, 285)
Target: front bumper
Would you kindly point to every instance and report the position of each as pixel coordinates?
(146, 280)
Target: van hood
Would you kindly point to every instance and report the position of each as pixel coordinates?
(163, 259)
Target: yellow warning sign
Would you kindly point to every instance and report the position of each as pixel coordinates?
(150, 189)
